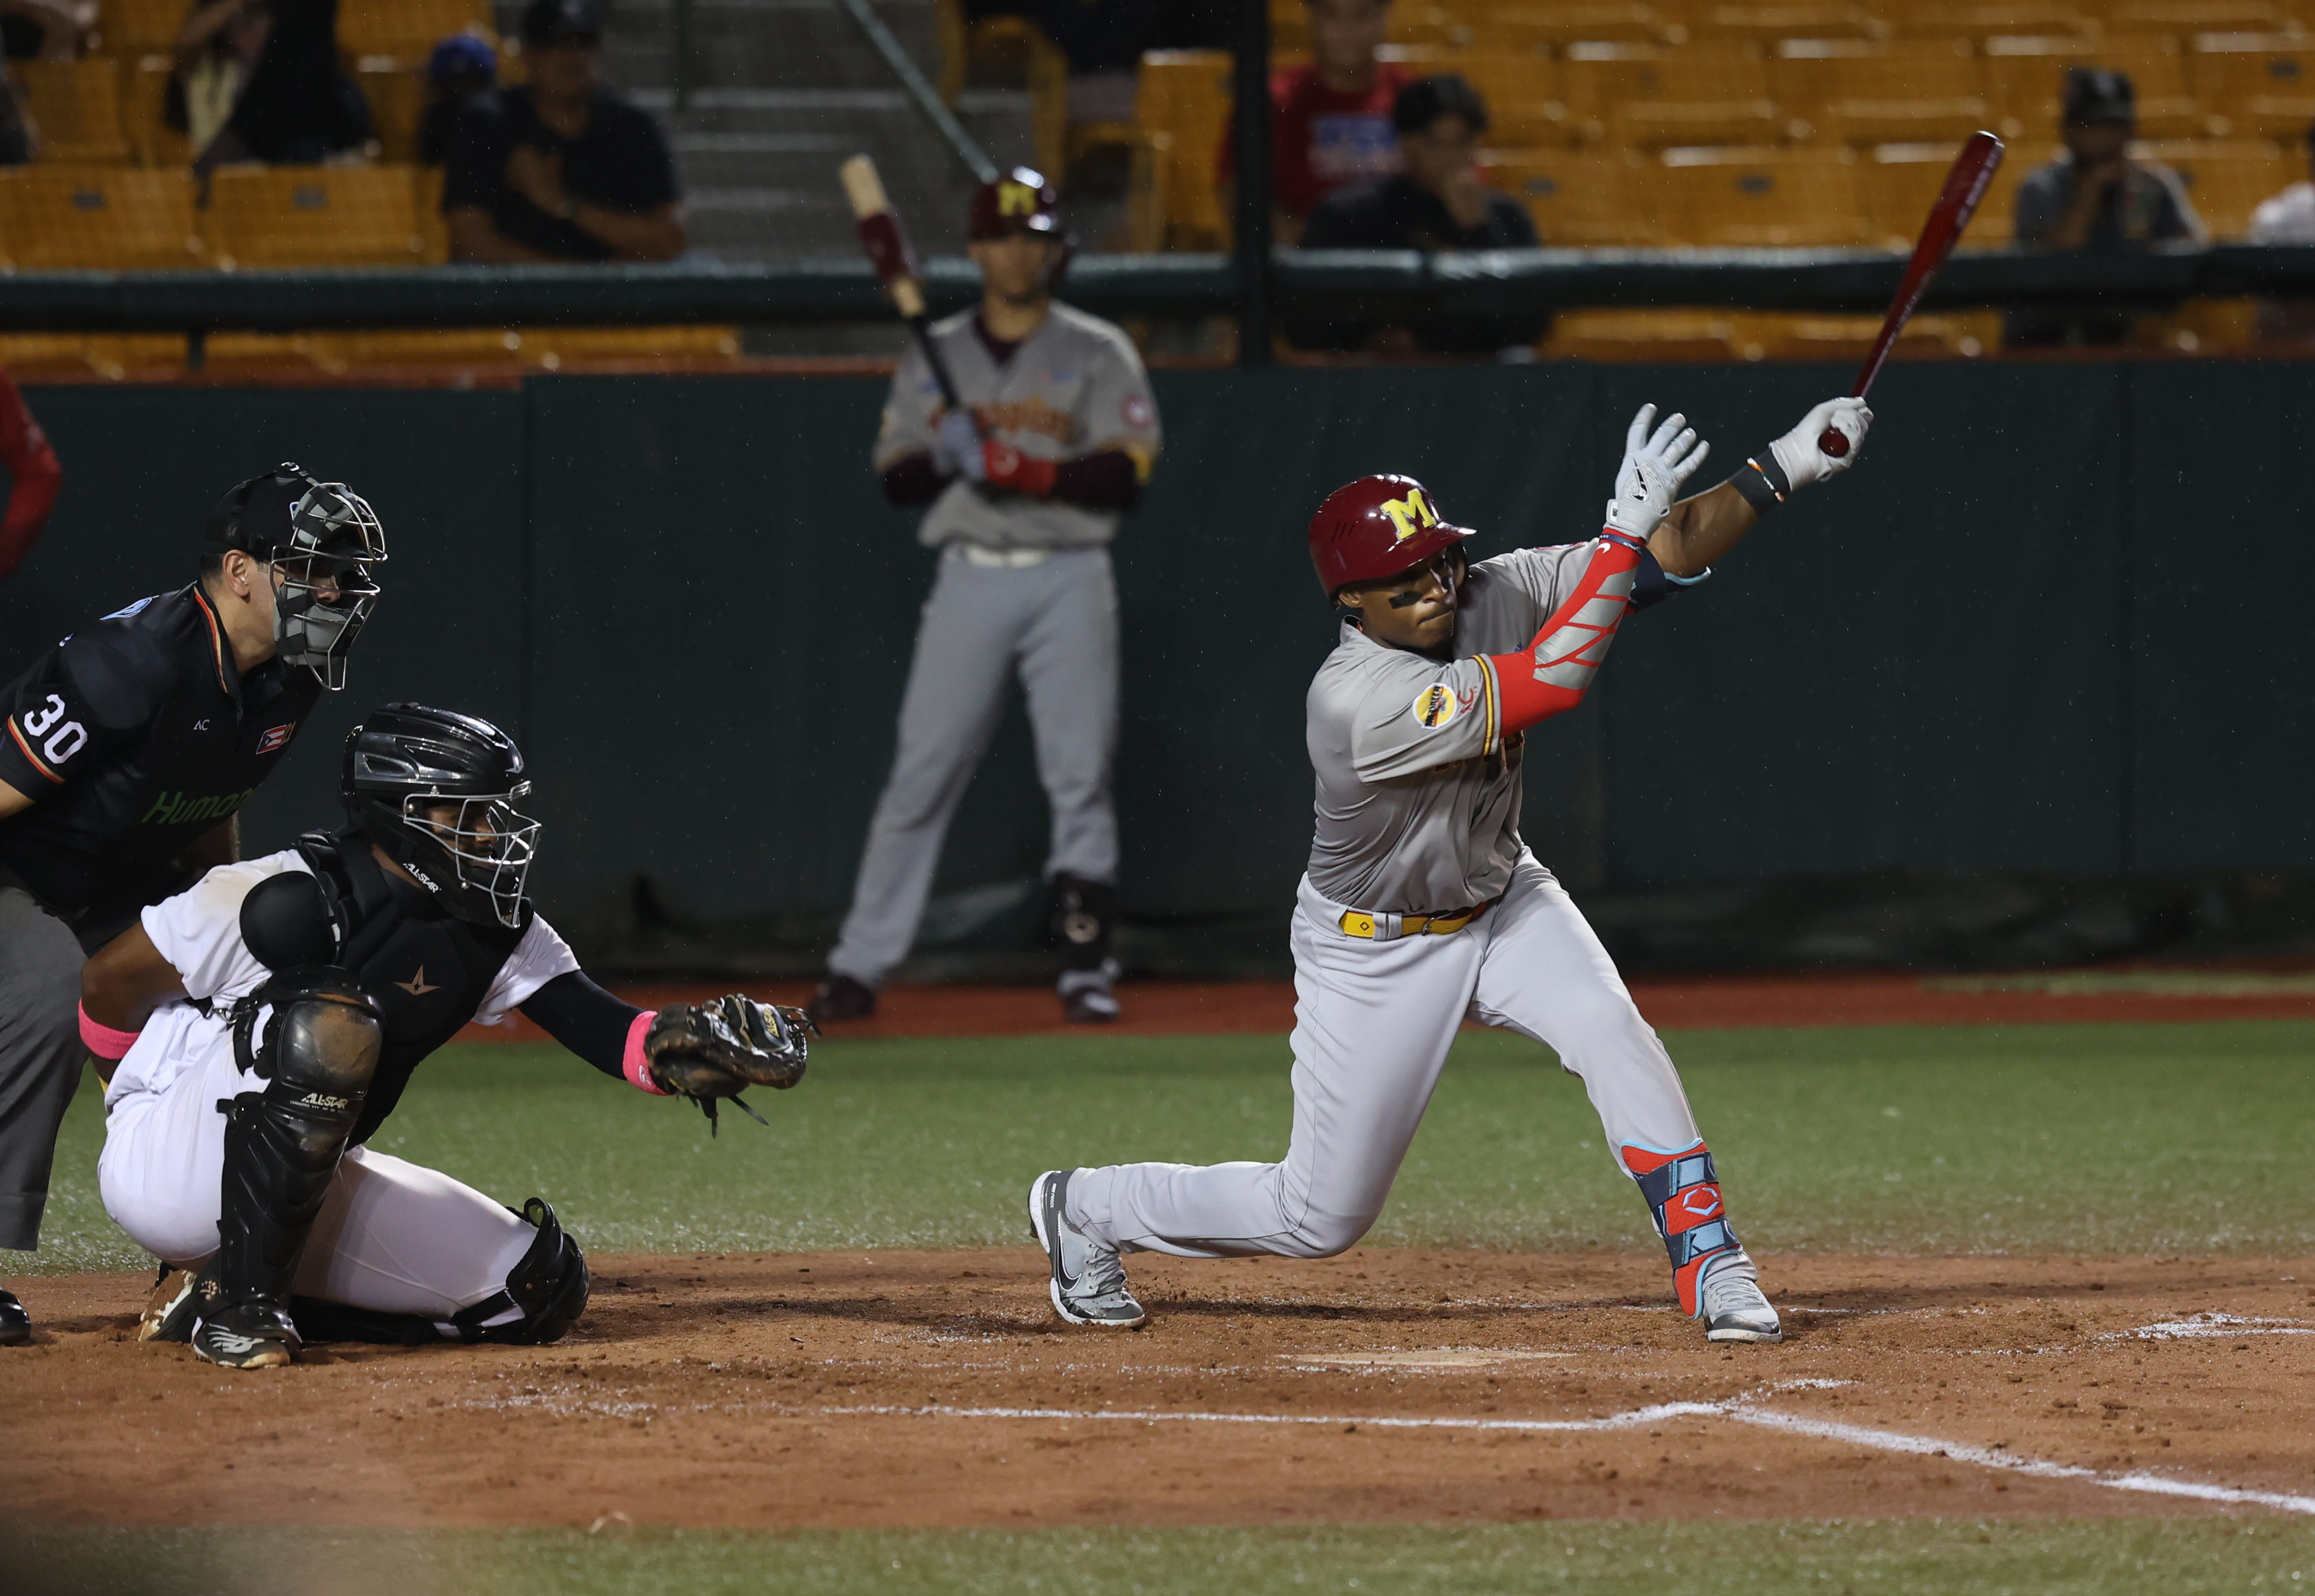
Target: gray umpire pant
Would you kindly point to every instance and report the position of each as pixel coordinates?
(40, 1055)
(1055, 624)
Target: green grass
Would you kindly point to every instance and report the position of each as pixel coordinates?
(2092, 1139)
(1916, 1558)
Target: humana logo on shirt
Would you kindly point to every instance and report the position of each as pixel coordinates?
(174, 809)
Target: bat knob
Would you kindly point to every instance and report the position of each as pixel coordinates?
(1833, 442)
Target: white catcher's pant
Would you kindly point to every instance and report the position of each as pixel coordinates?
(393, 1236)
(1373, 1021)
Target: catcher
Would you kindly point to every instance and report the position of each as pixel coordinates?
(255, 1030)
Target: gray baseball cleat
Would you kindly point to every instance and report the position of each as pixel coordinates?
(1088, 1281)
(1733, 1308)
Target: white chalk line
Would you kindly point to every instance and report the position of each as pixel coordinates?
(1742, 1411)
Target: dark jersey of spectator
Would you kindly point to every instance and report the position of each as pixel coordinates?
(621, 161)
(1321, 139)
(1396, 215)
(300, 105)
(2145, 206)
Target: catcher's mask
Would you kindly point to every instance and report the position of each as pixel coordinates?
(322, 538)
(405, 766)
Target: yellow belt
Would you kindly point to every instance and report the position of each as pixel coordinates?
(1358, 923)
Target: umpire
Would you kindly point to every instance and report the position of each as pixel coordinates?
(1024, 485)
(129, 748)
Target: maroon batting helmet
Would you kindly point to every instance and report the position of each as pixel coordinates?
(1019, 202)
(1377, 526)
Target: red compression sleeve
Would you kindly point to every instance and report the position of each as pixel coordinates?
(24, 450)
(1551, 675)
(1009, 468)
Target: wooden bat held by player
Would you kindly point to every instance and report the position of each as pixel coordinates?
(1965, 183)
(895, 263)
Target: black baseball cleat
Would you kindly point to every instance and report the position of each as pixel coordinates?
(249, 1333)
(15, 1324)
(840, 998)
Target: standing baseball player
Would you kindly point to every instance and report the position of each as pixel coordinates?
(257, 1028)
(128, 748)
(1026, 486)
(1421, 908)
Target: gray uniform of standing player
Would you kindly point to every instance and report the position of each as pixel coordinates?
(1023, 589)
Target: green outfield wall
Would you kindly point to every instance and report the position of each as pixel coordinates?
(2055, 622)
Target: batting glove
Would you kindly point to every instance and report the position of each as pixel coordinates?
(956, 445)
(1655, 464)
(1796, 451)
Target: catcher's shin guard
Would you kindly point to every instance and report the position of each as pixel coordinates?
(282, 1144)
(1684, 1196)
(544, 1295)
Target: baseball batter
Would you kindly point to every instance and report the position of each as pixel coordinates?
(1024, 493)
(256, 1030)
(1421, 906)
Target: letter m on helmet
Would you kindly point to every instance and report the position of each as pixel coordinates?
(1410, 515)
(1015, 199)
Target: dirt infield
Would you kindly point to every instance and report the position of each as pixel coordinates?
(933, 1389)
(1730, 1002)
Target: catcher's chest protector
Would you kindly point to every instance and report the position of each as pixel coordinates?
(427, 975)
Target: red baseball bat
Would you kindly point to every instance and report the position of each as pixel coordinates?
(1965, 183)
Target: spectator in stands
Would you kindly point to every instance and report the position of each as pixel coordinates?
(561, 168)
(2288, 218)
(2095, 196)
(462, 69)
(298, 104)
(218, 47)
(53, 30)
(1435, 203)
(1330, 120)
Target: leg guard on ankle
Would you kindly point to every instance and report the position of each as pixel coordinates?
(1684, 1196)
(1080, 919)
(542, 1298)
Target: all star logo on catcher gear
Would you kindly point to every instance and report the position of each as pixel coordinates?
(416, 985)
(1435, 705)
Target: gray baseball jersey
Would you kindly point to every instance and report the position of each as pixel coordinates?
(1074, 386)
(1419, 789)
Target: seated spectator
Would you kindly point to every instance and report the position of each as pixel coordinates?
(2289, 217)
(298, 105)
(2096, 197)
(49, 29)
(217, 49)
(561, 168)
(1436, 203)
(462, 68)
(1330, 120)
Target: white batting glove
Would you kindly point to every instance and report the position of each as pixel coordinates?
(956, 446)
(1797, 453)
(1655, 464)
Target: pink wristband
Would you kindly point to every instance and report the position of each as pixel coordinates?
(634, 1066)
(103, 1041)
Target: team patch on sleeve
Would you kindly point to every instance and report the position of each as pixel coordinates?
(1138, 413)
(1435, 705)
(275, 738)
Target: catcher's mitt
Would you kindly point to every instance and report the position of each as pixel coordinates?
(709, 1051)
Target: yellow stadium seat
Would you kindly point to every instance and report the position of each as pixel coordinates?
(143, 114)
(314, 216)
(398, 105)
(408, 30)
(426, 196)
(1848, 339)
(116, 356)
(1290, 25)
(1520, 88)
(2184, 17)
(1579, 202)
(1413, 23)
(140, 27)
(1652, 335)
(2026, 79)
(1762, 198)
(1526, 27)
(2227, 180)
(556, 348)
(76, 107)
(1599, 78)
(1983, 19)
(276, 355)
(466, 349)
(1798, 20)
(1897, 184)
(31, 357)
(1185, 94)
(1807, 75)
(2263, 84)
(112, 218)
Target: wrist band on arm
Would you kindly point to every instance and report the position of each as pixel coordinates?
(103, 1041)
(633, 1064)
(1618, 535)
(1762, 483)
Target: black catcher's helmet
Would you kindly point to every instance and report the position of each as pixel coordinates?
(316, 534)
(437, 790)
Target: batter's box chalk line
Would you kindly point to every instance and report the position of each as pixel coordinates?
(1741, 1411)
(2212, 1326)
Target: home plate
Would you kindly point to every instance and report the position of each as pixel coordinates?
(1436, 1358)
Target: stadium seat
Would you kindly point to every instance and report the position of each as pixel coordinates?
(314, 216)
(1013, 52)
(398, 105)
(555, 349)
(1897, 184)
(132, 28)
(407, 31)
(32, 357)
(2264, 85)
(426, 196)
(1185, 94)
(76, 107)
(466, 349)
(2226, 181)
(1580, 201)
(144, 103)
(1762, 198)
(2186, 17)
(1704, 94)
(111, 218)
(1983, 19)
(1413, 23)
(1768, 23)
(1864, 92)
(1848, 339)
(1525, 110)
(119, 356)
(1527, 27)
(2026, 76)
(1652, 335)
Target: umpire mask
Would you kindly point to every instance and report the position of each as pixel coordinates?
(320, 538)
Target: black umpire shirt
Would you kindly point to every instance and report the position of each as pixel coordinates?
(134, 737)
(620, 162)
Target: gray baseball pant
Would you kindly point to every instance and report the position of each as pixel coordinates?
(1053, 623)
(40, 1055)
